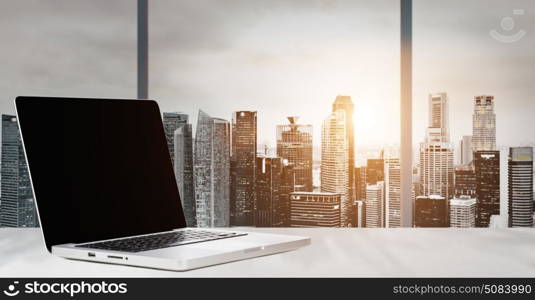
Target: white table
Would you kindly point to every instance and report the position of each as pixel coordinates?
(334, 252)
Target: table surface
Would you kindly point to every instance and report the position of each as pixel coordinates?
(334, 252)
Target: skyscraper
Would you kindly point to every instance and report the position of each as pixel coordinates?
(294, 143)
(360, 183)
(465, 180)
(484, 124)
(467, 154)
(335, 162)
(183, 151)
(436, 155)
(268, 201)
(375, 205)
(17, 207)
(375, 170)
(463, 212)
(211, 167)
(521, 187)
(487, 168)
(286, 188)
(436, 174)
(438, 118)
(313, 209)
(431, 211)
(171, 121)
(344, 103)
(393, 193)
(242, 168)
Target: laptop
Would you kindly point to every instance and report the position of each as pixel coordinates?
(105, 190)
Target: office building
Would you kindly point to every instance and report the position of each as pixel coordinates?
(242, 168)
(286, 188)
(487, 168)
(484, 124)
(211, 167)
(375, 170)
(183, 167)
(466, 150)
(436, 169)
(375, 205)
(436, 154)
(463, 212)
(521, 187)
(171, 121)
(431, 211)
(335, 162)
(360, 183)
(438, 118)
(17, 206)
(465, 181)
(345, 104)
(314, 209)
(392, 193)
(294, 143)
(270, 205)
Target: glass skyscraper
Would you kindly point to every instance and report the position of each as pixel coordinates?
(183, 152)
(335, 162)
(344, 103)
(436, 154)
(393, 193)
(242, 168)
(211, 168)
(484, 124)
(17, 207)
(487, 168)
(521, 187)
(294, 143)
(270, 202)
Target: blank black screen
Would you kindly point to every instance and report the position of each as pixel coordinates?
(100, 168)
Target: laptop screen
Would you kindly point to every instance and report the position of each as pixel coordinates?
(100, 168)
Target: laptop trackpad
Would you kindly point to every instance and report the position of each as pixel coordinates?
(206, 248)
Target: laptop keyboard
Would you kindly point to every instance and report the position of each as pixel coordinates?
(161, 240)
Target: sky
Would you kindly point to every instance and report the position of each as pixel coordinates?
(280, 58)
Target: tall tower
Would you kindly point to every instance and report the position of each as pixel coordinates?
(270, 201)
(393, 193)
(17, 207)
(439, 118)
(487, 169)
(211, 168)
(242, 168)
(183, 151)
(436, 154)
(344, 103)
(171, 121)
(521, 187)
(294, 143)
(334, 173)
(484, 124)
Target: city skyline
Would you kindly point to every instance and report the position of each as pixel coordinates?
(209, 162)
